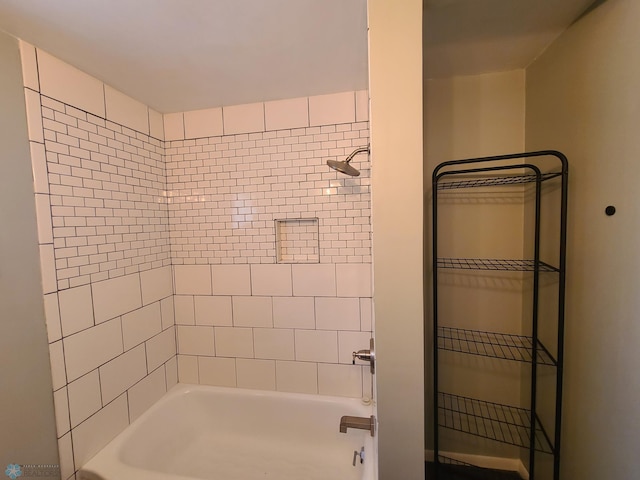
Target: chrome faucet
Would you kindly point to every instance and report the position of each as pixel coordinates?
(367, 356)
(362, 423)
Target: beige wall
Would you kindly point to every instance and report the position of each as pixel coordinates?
(395, 35)
(26, 404)
(474, 116)
(583, 99)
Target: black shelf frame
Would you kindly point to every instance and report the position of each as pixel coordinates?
(499, 422)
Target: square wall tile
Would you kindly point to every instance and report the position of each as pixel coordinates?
(43, 217)
(122, 372)
(171, 372)
(366, 314)
(271, 280)
(234, 342)
(316, 346)
(173, 126)
(246, 118)
(252, 312)
(367, 383)
(213, 311)
(61, 406)
(332, 109)
(220, 372)
(29, 66)
(203, 123)
(84, 397)
(289, 113)
(161, 348)
(362, 105)
(48, 269)
(116, 296)
(187, 369)
(34, 116)
(167, 310)
(52, 317)
(156, 284)
(65, 452)
(231, 279)
(67, 84)
(338, 314)
(353, 280)
(58, 370)
(340, 380)
(146, 392)
(39, 168)
(156, 124)
(274, 343)
(349, 342)
(140, 325)
(184, 308)
(317, 280)
(92, 435)
(76, 309)
(126, 111)
(256, 374)
(297, 377)
(196, 341)
(192, 279)
(87, 350)
(294, 312)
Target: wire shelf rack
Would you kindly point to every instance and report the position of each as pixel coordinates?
(494, 421)
(492, 344)
(458, 470)
(497, 264)
(495, 181)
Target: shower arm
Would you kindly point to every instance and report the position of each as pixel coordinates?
(356, 152)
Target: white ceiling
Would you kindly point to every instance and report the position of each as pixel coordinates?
(466, 37)
(179, 55)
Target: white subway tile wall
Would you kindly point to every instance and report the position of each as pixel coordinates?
(107, 189)
(225, 192)
(158, 248)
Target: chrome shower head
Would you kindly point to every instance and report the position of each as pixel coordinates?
(343, 166)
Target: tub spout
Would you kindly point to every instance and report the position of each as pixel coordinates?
(362, 423)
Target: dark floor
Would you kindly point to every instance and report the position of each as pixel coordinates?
(457, 472)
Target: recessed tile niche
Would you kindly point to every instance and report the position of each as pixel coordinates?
(297, 240)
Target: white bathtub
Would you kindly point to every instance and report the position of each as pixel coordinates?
(214, 433)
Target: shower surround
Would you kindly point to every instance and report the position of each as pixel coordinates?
(158, 248)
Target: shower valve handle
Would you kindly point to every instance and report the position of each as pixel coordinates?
(367, 356)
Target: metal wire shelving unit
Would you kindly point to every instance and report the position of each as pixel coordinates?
(505, 346)
(513, 425)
